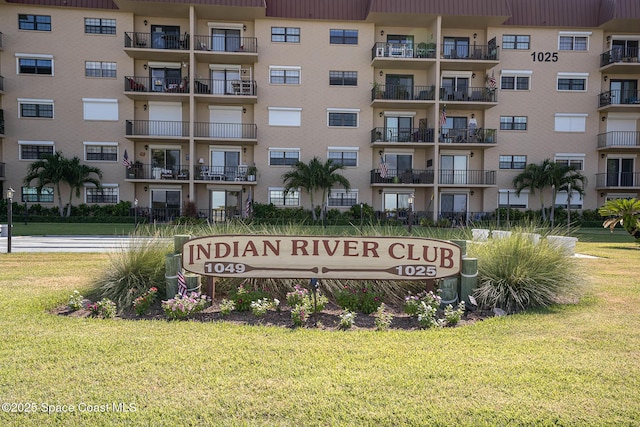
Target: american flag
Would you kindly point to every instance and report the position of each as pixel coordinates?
(443, 116)
(125, 160)
(182, 284)
(247, 208)
(384, 172)
(492, 82)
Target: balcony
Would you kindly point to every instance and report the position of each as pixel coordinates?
(1, 84)
(619, 100)
(465, 178)
(394, 176)
(138, 87)
(2, 170)
(480, 136)
(146, 172)
(221, 49)
(1, 45)
(403, 55)
(398, 136)
(226, 91)
(620, 60)
(158, 129)
(468, 58)
(237, 174)
(619, 140)
(149, 172)
(230, 132)
(472, 97)
(620, 180)
(156, 46)
(399, 96)
(1, 122)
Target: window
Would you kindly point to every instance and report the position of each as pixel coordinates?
(101, 151)
(99, 69)
(562, 199)
(570, 122)
(34, 22)
(514, 83)
(575, 160)
(343, 198)
(572, 81)
(278, 197)
(343, 78)
(36, 108)
(283, 116)
(284, 75)
(342, 118)
(569, 40)
(283, 156)
(285, 34)
(343, 156)
(37, 64)
(513, 162)
(517, 42)
(513, 123)
(35, 150)
(108, 193)
(30, 194)
(100, 109)
(509, 198)
(99, 26)
(343, 36)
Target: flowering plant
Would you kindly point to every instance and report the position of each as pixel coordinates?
(412, 302)
(453, 316)
(144, 301)
(104, 308)
(383, 318)
(243, 298)
(180, 306)
(260, 307)
(362, 299)
(300, 314)
(227, 306)
(427, 316)
(297, 296)
(346, 320)
(75, 301)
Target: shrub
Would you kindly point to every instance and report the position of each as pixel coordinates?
(346, 320)
(412, 302)
(104, 308)
(243, 298)
(515, 273)
(300, 314)
(362, 299)
(452, 316)
(427, 316)
(261, 306)
(298, 296)
(144, 301)
(383, 318)
(75, 301)
(133, 270)
(180, 306)
(227, 306)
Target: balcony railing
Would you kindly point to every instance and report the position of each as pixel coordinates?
(222, 43)
(1, 122)
(467, 177)
(619, 54)
(471, 52)
(471, 94)
(618, 180)
(629, 139)
(2, 168)
(148, 84)
(223, 173)
(225, 130)
(1, 83)
(1, 40)
(403, 92)
(225, 87)
(394, 176)
(390, 134)
(403, 50)
(156, 41)
(148, 171)
(469, 136)
(619, 97)
(157, 128)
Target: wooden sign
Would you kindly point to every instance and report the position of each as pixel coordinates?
(322, 257)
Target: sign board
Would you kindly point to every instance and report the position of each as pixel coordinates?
(322, 257)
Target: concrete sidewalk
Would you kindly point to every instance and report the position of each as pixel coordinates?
(65, 243)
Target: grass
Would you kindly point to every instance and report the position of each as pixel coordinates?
(573, 365)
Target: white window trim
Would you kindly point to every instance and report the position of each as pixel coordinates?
(289, 109)
(100, 144)
(516, 74)
(343, 149)
(344, 110)
(34, 56)
(86, 101)
(574, 34)
(34, 143)
(563, 75)
(154, 64)
(36, 101)
(352, 191)
(559, 115)
(285, 68)
(524, 194)
(270, 189)
(400, 114)
(270, 149)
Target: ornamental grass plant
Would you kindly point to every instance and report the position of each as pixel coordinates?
(515, 273)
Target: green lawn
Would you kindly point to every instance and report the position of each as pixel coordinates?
(573, 365)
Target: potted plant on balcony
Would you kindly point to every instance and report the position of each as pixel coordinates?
(252, 171)
(377, 92)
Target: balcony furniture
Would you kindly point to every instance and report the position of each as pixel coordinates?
(184, 174)
(135, 86)
(140, 41)
(421, 50)
(242, 87)
(459, 95)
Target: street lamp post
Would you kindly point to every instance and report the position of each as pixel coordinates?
(361, 216)
(135, 212)
(569, 207)
(10, 194)
(410, 200)
(553, 204)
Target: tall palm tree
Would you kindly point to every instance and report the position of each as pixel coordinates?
(50, 170)
(77, 175)
(533, 178)
(625, 212)
(562, 178)
(312, 177)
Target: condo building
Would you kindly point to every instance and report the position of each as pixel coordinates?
(435, 103)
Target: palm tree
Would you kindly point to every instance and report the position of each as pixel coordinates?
(50, 170)
(625, 212)
(533, 178)
(77, 175)
(563, 178)
(312, 177)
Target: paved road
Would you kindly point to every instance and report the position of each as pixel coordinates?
(64, 243)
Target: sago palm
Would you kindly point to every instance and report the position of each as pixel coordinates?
(625, 212)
